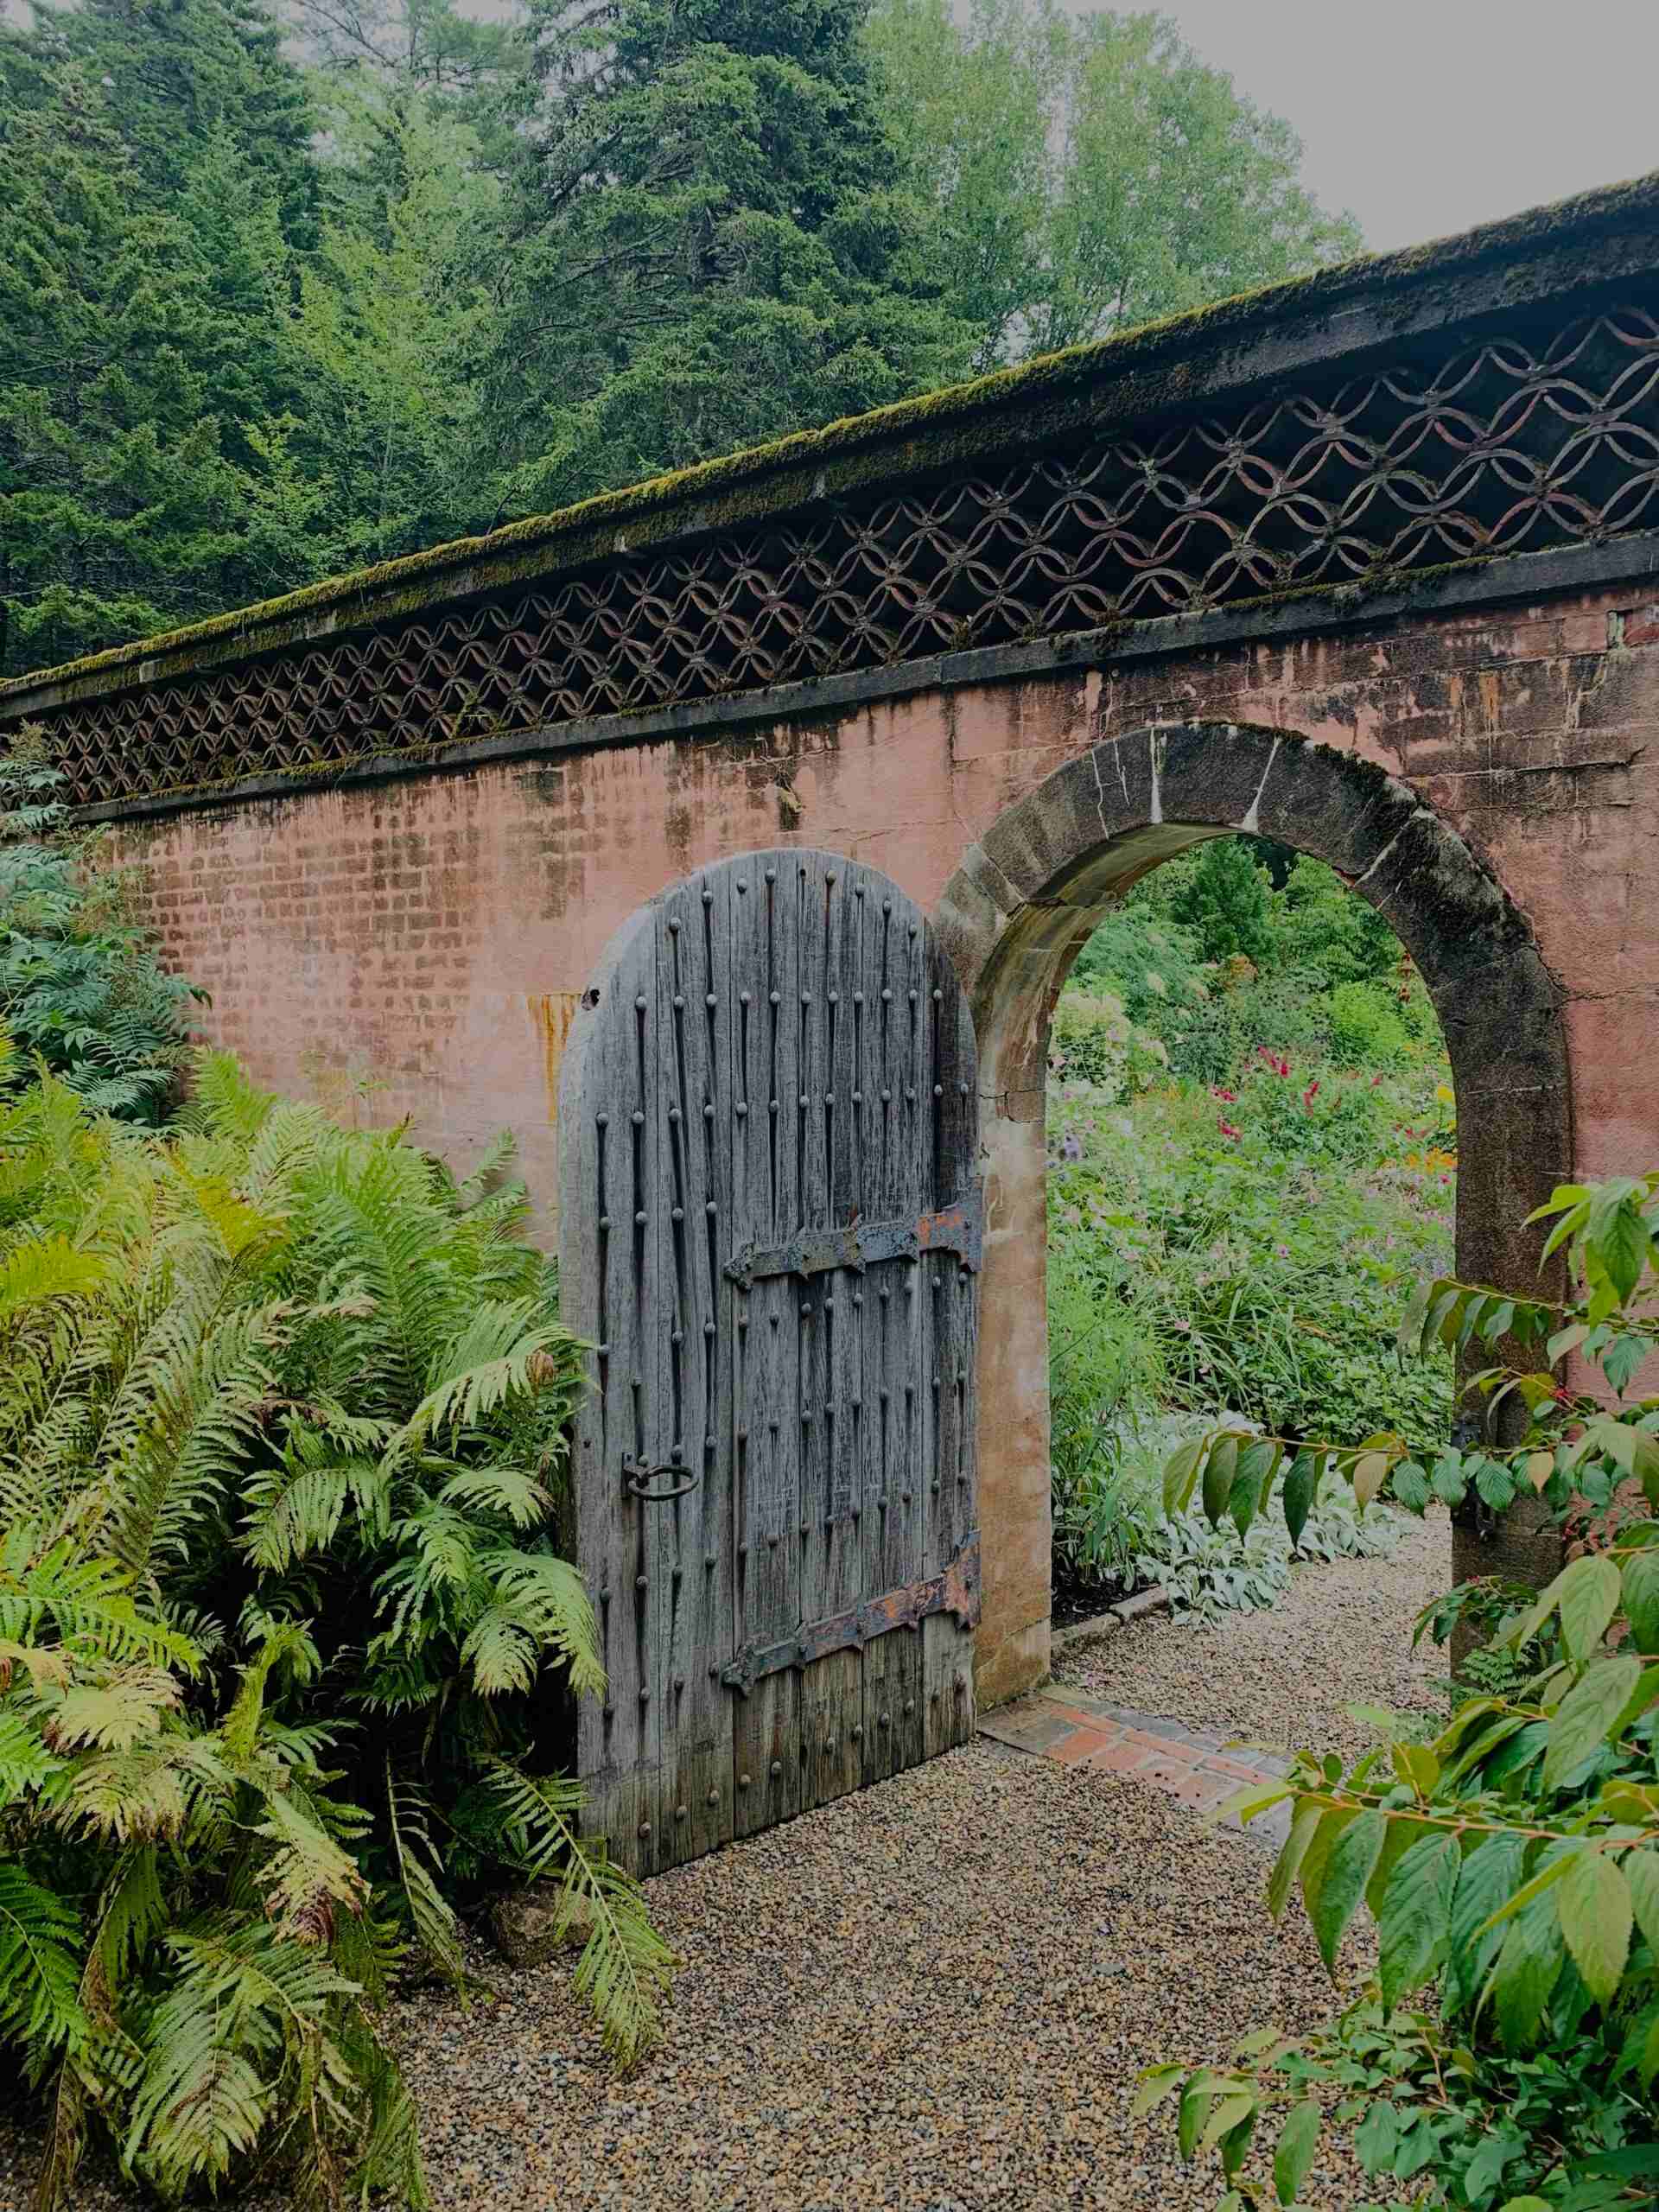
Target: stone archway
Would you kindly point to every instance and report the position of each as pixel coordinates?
(1014, 915)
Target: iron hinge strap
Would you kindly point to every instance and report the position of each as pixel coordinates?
(958, 1229)
(956, 1590)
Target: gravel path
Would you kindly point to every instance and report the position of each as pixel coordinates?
(1341, 1636)
(934, 1996)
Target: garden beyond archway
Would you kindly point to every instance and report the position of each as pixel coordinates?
(1025, 900)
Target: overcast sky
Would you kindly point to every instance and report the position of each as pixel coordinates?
(1427, 116)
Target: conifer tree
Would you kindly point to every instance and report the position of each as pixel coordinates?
(704, 247)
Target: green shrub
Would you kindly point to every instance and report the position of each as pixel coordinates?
(1093, 1041)
(1511, 1863)
(1150, 963)
(1263, 1272)
(81, 991)
(1366, 1030)
(1223, 898)
(1319, 924)
(282, 1618)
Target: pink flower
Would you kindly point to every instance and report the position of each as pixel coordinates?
(1230, 1098)
(1308, 1096)
(1376, 1079)
(1228, 1130)
(1283, 1250)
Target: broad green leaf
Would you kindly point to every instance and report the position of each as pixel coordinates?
(1448, 1479)
(1527, 1744)
(1496, 1484)
(1527, 1967)
(1594, 1906)
(1565, 1340)
(1640, 1599)
(1219, 1472)
(1586, 1598)
(1315, 1860)
(1585, 1715)
(1189, 2124)
(1498, 1321)
(1490, 1873)
(1375, 2136)
(1617, 1238)
(1236, 2142)
(1623, 1359)
(1353, 1858)
(1256, 1466)
(1294, 2159)
(1413, 1323)
(1483, 1741)
(1416, 1921)
(1156, 2084)
(1178, 1473)
(1416, 2147)
(1485, 2169)
(1641, 1879)
(1551, 1869)
(1300, 1485)
(1409, 1487)
(1289, 1862)
(1369, 1471)
(1647, 2064)
(1225, 2116)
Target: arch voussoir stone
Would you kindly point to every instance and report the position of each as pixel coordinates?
(1028, 894)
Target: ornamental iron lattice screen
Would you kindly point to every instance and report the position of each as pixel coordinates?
(1512, 444)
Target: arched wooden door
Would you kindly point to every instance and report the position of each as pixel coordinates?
(771, 1233)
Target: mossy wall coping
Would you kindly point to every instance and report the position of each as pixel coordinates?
(1577, 246)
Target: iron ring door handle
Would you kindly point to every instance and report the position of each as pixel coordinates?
(636, 1480)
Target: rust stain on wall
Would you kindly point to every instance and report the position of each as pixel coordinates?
(552, 1015)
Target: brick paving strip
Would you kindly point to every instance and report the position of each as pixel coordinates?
(1200, 1768)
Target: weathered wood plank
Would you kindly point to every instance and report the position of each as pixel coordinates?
(832, 1726)
(694, 1072)
(765, 941)
(602, 1294)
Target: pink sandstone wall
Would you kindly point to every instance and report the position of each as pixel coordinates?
(434, 934)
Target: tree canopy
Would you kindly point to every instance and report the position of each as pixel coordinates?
(279, 296)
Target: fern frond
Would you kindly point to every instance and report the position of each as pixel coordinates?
(38, 1270)
(87, 1601)
(517, 1497)
(308, 1875)
(625, 1968)
(206, 1392)
(296, 1509)
(409, 1809)
(108, 1714)
(223, 1100)
(26, 1764)
(212, 2047)
(548, 1594)
(496, 1357)
(39, 1965)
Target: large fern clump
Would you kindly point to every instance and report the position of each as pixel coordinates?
(287, 1643)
